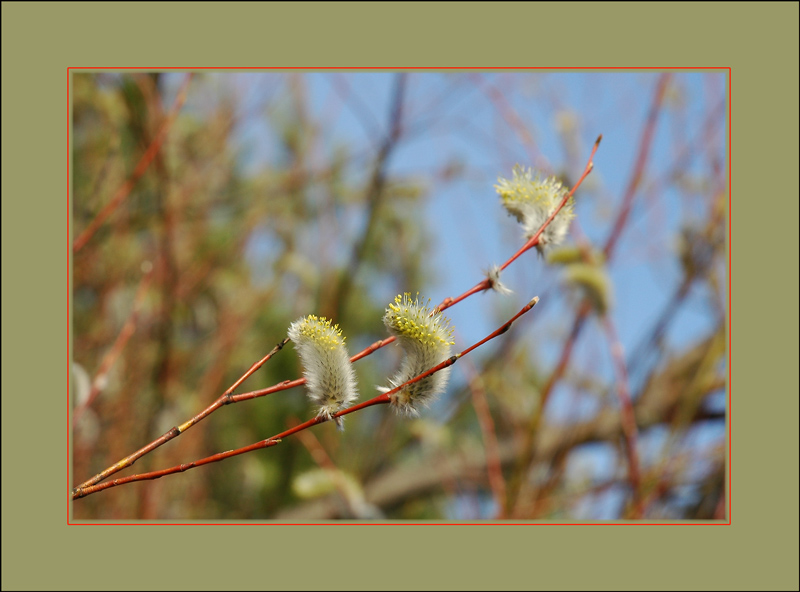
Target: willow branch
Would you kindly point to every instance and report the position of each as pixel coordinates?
(629, 431)
(224, 399)
(643, 153)
(382, 399)
(228, 397)
(494, 469)
(485, 284)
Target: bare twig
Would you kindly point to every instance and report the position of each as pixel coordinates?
(494, 469)
(629, 430)
(639, 167)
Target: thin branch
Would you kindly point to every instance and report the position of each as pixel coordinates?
(514, 121)
(638, 169)
(144, 162)
(494, 469)
(533, 241)
(381, 399)
(224, 399)
(528, 449)
(107, 363)
(629, 431)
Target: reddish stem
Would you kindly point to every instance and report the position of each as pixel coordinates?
(84, 491)
(224, 399)
(514, 121)
(486, 423)
(485, 284)
(629, 430)
(638, 170)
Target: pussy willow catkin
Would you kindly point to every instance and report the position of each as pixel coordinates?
(330, 379)
(532, 201)
(426, 341)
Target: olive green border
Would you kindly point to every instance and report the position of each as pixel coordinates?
(758, 41)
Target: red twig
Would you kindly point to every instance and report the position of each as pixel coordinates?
(224, 399)
(515, 122)
(515, 502)
(144, 162)
(638, 169)
(384, 398)
(486, 423)
(629, 430)
(82, 491)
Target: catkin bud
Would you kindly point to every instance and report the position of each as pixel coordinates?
(330, 379)
(493, 275)
(426, 339)
(532, 201)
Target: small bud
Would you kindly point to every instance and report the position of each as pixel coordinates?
(426, 339)
(330, 379)
(493, 275)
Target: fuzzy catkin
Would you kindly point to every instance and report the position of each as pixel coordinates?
(532, 201)
(330, 380)
(426, 339)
